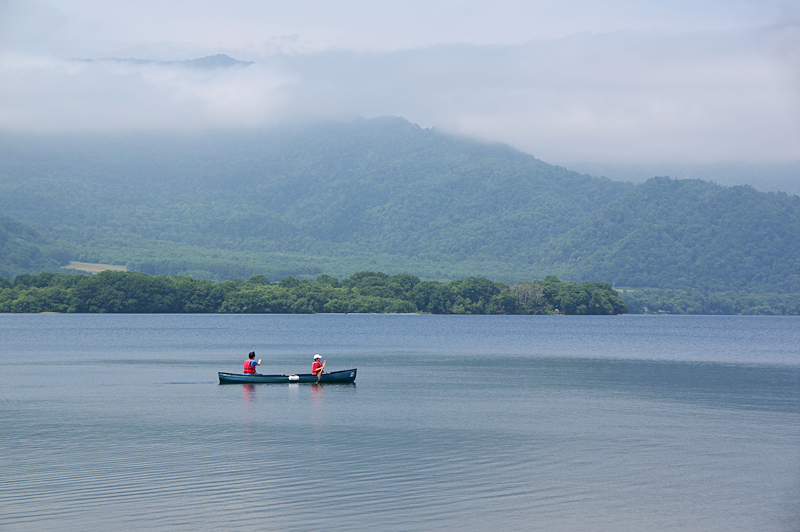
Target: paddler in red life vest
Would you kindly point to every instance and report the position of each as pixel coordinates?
(250, 364)
(316, 367)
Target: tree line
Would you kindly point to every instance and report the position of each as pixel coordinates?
(363, 292)
(671, 301)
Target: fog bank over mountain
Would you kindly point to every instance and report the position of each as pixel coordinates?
(633, 89)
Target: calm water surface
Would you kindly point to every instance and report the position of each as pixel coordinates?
(455, 423)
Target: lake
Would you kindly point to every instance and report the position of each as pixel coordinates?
(117, 422)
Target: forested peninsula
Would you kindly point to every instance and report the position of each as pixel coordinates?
(363, 292)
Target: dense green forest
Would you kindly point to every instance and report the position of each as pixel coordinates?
(381, 194)
(669, 233)
(371, 292)
(668, 301)
(20, 249)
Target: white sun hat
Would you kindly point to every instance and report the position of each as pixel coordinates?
(316, 357)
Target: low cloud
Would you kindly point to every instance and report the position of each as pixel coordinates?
(615, 96)
(50, 95)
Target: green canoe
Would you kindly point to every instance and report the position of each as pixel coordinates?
(343, 377)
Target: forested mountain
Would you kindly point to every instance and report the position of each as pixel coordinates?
(689, 233)
(385, 194)
(20, 249)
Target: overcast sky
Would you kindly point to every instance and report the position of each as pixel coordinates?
(614, 82)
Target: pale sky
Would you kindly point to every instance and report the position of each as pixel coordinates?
(617, 82)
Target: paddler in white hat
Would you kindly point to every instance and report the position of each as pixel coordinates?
(317, 366)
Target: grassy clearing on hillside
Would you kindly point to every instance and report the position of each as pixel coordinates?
(92, 267)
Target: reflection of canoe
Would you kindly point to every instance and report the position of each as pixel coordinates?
(344, 376)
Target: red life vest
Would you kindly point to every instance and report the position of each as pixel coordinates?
(248, 368)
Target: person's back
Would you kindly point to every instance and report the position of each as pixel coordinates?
(250, 364)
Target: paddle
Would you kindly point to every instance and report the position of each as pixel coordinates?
(321, 369)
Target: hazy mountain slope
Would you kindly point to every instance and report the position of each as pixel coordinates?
(385, 194)
(689, 233)
(20, 250)
(331, 194)
(382, 185)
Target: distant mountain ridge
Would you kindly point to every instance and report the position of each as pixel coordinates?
(209, 62)
(385, 194)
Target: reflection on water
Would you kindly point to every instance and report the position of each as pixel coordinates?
(317, 414)
(247, 413)
(317, 392)
(248, 391)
